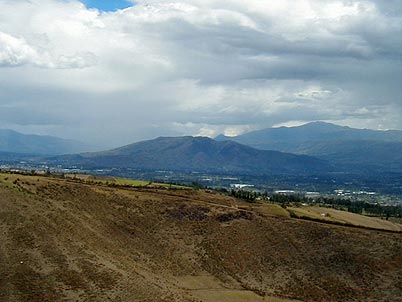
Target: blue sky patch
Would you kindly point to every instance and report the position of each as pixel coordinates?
(107, 5)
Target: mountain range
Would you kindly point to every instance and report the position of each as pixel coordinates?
(196, 154)
(345, 147)
(313, 148)
(15, 142)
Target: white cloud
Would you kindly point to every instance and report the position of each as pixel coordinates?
(213, 66)
(15, 51)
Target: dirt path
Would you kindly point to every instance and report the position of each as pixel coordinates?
(209, 289)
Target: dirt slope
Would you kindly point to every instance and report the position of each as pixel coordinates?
(66, 241)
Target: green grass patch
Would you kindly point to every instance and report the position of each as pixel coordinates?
(132, 182)
(120, 181)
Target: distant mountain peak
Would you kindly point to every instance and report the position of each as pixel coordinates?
(222, 137)
(338, 144)
(15, 142)
(188, 153)
(321, 124)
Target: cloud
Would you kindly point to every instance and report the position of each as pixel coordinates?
(198, 67)
(16, 51)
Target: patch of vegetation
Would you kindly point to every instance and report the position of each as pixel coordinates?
(249, 196)
(233, 216)
(191, 213)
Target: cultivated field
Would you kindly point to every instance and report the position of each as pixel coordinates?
(343, 217)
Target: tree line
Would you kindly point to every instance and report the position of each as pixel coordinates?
(353, 206)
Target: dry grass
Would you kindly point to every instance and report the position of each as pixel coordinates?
(66, 241)
(123, 181)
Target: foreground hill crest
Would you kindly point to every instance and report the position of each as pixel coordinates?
(64, 240)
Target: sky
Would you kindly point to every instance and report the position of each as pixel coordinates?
(116, 74)
(108, 5)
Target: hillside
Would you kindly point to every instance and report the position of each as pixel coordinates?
(196, 154)
(14, 142)
(361, 155)
(65, 240)
(352, 149)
